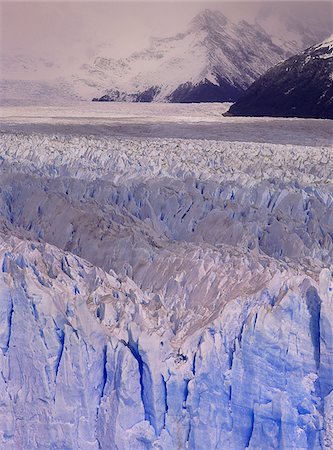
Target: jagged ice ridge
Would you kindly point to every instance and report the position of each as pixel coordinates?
(165, 294)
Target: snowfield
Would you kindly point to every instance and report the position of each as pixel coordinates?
(165, 293)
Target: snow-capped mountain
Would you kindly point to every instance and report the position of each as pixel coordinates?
(213, 60)
(164, 294)
(302, 86)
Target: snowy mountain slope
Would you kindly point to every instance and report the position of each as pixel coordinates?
(178, 294)
(212, 59)
(302, 86)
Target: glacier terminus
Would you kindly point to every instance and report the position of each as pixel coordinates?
(165, 293)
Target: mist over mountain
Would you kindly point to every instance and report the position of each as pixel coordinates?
(213, 58)
(294, 26)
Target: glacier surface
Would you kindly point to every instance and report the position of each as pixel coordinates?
(165, 294)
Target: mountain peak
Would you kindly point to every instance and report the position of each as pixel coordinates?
(208, 19)
(326, 44)
(213, 60)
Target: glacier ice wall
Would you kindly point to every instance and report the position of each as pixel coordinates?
(165, 294)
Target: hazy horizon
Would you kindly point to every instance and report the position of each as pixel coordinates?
(71, 32)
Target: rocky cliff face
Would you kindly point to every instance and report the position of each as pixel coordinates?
(302, 86)
(165, 294)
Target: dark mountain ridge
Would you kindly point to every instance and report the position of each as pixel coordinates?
(301, 86)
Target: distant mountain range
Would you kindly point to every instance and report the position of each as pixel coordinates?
(213, 59)
(302, 86)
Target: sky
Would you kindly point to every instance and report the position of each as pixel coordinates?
(74, 31)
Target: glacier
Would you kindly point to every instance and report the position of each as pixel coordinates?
(165, 293)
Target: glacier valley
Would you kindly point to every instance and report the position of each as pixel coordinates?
(165, 293)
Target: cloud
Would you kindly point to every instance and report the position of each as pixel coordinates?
(72, 32)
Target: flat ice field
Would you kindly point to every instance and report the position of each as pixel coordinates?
(166, 279)
(163, 120)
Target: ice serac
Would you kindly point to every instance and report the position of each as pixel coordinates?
(165, 294)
